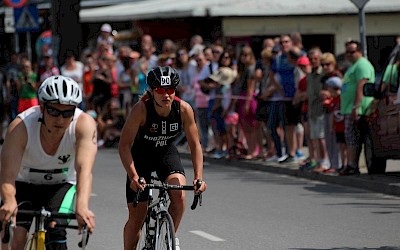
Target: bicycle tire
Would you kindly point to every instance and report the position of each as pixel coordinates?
(166, 232)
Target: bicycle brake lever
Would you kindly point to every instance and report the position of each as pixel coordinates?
(137, 195)
(85, 230)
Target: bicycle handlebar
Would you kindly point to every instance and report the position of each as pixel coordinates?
(47, 214)
(164, 186)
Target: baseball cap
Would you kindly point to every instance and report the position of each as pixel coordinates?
(224, 76)
(303, 61)
(106, 28)
(334, 82)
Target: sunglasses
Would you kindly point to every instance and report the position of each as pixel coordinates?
(162, 91)
(350, 52)
(216, 52)
(56, 112)
(325, 64)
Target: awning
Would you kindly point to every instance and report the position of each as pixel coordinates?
(164, 9)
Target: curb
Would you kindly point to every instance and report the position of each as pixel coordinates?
(377, 183)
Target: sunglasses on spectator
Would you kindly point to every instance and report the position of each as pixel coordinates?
(216, 52)
(325, 64)
(285, 41)
(56, 112)
(350, 52)
(162, 91)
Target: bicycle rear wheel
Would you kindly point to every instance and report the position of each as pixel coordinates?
(166, 232)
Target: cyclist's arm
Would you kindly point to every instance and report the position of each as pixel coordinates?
(86, 149)
(11, 158)
(192, 136)
(135, 119)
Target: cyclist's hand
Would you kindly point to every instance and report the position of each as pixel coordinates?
(200, 189)
(85, 216)
(8, 210)
(138, 184)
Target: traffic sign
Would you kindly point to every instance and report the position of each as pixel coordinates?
(16, 3)
(9, 26)
(26, 19)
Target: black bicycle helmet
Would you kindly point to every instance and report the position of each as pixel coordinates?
(162, 77)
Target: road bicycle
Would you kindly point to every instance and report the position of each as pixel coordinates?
(42, 217)
(158, 231)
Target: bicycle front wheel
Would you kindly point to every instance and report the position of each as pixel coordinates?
(165, 232)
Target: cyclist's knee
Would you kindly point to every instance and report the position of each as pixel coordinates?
(56, 239)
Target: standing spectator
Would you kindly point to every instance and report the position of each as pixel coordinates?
(354, 105)
(126, 79)
(328, 63)
(301, 98)
(2, 103)
(102, 79)
(334, 85)
(106, 38)
(74, 70)
(247, 103)
(282, 74)
(27, 87)
(90, 66)
(48, 68)
(186, 73)
(316, 115)
(201, 100)
(12, 70)
(224, 78)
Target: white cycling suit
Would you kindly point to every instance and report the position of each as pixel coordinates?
(38, 167)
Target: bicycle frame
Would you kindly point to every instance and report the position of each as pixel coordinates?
(37, 241)
(157, 214)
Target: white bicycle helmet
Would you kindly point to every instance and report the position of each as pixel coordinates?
(60, 89)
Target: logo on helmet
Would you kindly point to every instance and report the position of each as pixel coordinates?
(165, 80)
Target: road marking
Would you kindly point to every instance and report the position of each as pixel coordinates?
(93, 194)
(207, 236)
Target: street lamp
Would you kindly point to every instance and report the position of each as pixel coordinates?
(360, 4)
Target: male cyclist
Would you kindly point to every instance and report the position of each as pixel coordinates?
(47, 156)
(146, 145)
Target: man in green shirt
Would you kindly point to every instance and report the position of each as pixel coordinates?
(354, 105)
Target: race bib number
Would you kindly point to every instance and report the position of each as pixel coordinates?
(48, 176)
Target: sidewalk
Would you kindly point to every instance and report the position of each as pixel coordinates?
(386, 184)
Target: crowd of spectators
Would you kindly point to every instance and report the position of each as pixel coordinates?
(248, 106)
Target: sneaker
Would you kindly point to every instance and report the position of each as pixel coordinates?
(350, 171)
(309, 166)
(330, 171)
(272, 159)
(289, 159)
(218, 155)
(325, 164)
(177, 244)
(300, 154)
(282, 158)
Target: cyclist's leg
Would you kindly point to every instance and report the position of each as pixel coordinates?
(172, 172)
(60, 198)
(137, 214)
(26, 196)
(133, 226)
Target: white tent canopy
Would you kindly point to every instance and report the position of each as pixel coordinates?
(152, 9)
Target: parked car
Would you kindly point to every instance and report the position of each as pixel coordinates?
(383, 135)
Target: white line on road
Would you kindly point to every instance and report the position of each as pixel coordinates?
(207, 236)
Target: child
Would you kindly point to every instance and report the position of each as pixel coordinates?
(334, 85)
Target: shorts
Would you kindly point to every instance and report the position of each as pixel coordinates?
(292, 113)
(165, 163)
(58, 197)
(354, 132)
(340, 137)
(262, 110)
(317, 127)
(232, 119)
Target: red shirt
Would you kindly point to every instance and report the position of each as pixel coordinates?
(303, 87)
(338, 118)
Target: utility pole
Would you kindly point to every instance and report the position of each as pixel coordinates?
(360, 4)
(66, 29)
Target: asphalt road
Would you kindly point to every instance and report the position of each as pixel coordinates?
(250, 209)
